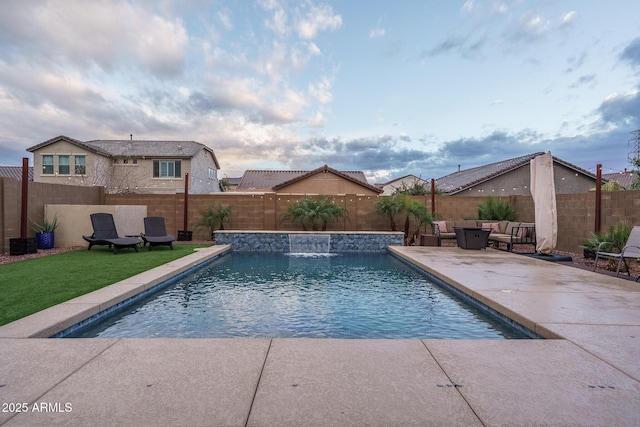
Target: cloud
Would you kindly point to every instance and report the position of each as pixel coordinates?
(225, 20)
(631, 53)
(377, 32)
(466, 46)
(621, 110)
(109, 35)
(576, 62)
(317, 18)
(321, 90)
(530, 27)
(568, 17)
(279, 21)
(585, 80)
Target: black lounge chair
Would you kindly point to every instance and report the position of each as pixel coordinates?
(155, 232)
(105, 233)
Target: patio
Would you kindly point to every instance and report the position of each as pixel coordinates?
(586, 373)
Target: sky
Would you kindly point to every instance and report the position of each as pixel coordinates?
(390, 88)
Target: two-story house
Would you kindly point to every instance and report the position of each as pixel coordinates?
(127, 166)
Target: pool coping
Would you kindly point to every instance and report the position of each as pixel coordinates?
(587, 375)
(58, 318)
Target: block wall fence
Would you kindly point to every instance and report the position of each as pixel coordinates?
(576, 212)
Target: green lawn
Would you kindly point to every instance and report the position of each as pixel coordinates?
(33, 285)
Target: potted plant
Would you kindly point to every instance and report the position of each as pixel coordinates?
(45, 232)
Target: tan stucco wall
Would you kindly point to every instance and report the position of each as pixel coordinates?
(74, 221)
(97, 167)
(200, 183)
(126, 177)
(326, 183)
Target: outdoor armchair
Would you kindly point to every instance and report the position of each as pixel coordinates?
(631, 250)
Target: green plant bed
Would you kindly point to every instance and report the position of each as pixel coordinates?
(29, 286)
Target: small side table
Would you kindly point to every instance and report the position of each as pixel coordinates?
(429, 240)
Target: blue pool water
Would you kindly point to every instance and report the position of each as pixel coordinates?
(280, 295)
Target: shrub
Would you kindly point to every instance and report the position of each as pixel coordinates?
(493, 208)
(616, 237)
(315, 213)
(215, 216)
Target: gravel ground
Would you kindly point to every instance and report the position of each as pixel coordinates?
(578, 260)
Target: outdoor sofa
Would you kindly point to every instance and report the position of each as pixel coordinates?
(507, 233)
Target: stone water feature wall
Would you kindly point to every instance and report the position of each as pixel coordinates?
(275, 241)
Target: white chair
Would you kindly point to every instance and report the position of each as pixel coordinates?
(631, 250)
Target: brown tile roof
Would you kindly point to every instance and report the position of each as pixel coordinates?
(15, 172)
(462, 180)
(269, 180)
(625, 179)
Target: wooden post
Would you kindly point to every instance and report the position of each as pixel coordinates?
(598, 197)
(186, 202)
(433, 196)
(25, 198)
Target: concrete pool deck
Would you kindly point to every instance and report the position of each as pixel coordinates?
(588, 373)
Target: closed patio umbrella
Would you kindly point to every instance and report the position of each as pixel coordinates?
(543, 191)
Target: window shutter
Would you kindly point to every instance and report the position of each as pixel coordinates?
(177, 169)
(156, 168)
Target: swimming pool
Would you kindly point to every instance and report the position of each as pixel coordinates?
(280, 295)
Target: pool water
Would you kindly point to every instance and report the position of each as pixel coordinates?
(281, 295)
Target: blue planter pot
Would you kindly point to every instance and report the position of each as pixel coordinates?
(45, 240)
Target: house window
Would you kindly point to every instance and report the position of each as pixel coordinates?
(63, 165)
(47, 164)
(80, 165)
(213, 173)
(166, 169)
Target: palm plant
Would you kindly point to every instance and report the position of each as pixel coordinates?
(389, 207)
(215, 216)
(402, 203)
(314, 212)
(493, 208)
(421, 215)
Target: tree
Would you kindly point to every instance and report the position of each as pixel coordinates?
(418, 187)
(422, 217)
(389, 207)
(215, 216)
(314, 213)
(399, 204)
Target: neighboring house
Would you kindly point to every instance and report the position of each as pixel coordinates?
(625, 179)
(15, 172)
(230, 184)
(405, 182)
(323, 180)
(127, 166)
(513, 177)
